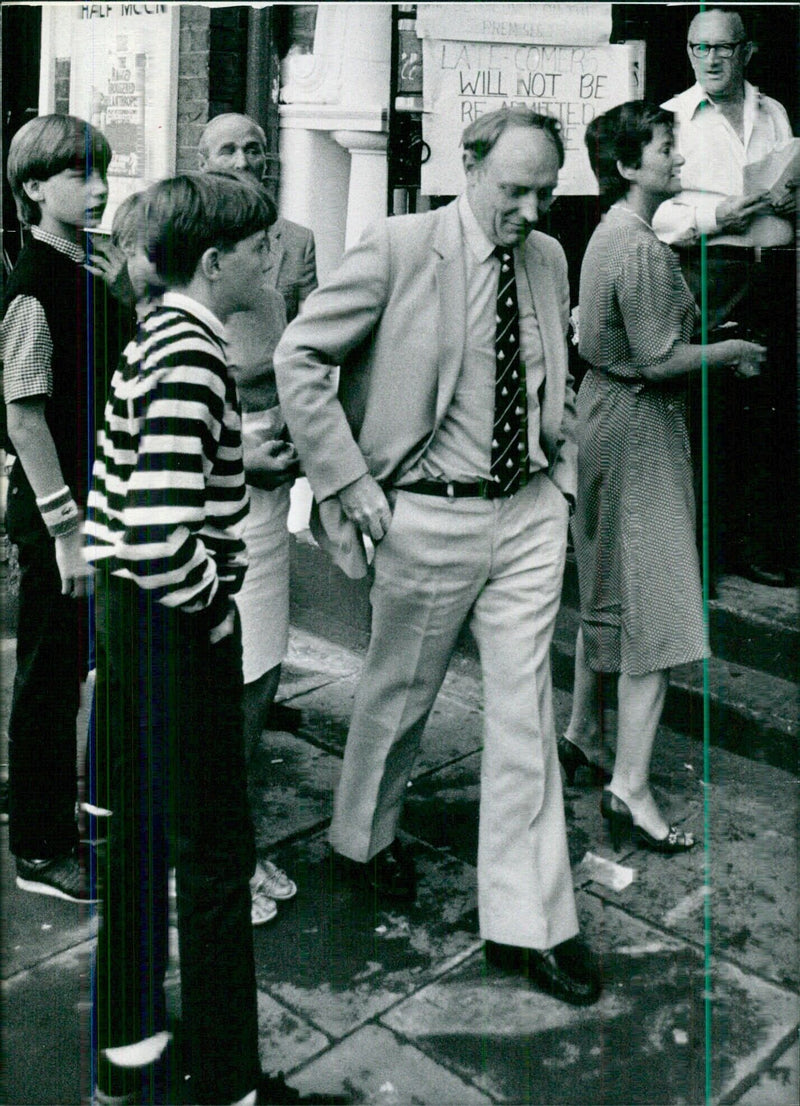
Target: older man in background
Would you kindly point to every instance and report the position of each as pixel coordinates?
(723, 125)
(236, 142)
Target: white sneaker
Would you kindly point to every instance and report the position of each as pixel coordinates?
(274, 881)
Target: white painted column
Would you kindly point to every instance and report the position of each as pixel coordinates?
(369, 178)
(315, 180)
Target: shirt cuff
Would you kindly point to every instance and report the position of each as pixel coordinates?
(705, 216)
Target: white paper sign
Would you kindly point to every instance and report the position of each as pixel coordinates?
(464, 80)
(578, 24)
(123, 71)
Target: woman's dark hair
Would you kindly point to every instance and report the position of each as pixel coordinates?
(620, 135)
(186, 215)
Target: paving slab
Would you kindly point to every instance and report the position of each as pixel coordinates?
(45, 1031)
(396, 1004)
(309, 654)
(36, 927)
(376, 1066)
(442, 809)
(337, 956)
(779, 1085)
(291, 785)
(453, 729)
(285, 1041)
(738, 890)
(643, 1043)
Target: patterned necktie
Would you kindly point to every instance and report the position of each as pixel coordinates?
(510, 435)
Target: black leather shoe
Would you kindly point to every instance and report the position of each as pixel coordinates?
(390, 872)
(283, 718)
(273, 1090)
(621, 826)
(568, 971)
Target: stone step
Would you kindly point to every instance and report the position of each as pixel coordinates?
(752, 690)
(750, 712)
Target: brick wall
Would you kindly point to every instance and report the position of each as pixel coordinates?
(212, 71)
(193, 92)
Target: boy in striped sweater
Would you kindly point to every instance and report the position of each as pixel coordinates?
(164, 532)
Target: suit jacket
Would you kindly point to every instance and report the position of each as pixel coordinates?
(393, 317)
(292, 266)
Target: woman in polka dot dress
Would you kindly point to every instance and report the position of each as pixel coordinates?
(641, 600)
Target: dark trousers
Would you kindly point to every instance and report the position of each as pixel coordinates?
(752, 456)
(52, 633)
(169, 734)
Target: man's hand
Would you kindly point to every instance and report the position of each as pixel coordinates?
(224, 628)
(787, 204)
(109, 263)
(75, 573)
(735, 213)
(270, 464)
(365, 504)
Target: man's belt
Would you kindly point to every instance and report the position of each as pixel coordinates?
(751, 254)
(453, 489)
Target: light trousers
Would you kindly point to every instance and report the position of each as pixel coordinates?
(499, 564)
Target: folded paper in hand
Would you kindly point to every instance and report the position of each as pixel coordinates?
(339, 537)
(776, 173)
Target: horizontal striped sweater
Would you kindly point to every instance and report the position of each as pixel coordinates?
(168, 499)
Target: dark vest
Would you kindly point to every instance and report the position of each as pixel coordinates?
(88, 329)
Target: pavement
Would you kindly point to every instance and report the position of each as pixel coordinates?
(395, 1005)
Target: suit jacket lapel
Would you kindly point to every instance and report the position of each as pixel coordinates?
(548, 314)
(451, 288)
(276, 254)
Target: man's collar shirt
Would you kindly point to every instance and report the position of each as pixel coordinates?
(461, 447)
(715, 159)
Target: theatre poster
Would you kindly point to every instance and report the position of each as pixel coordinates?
(116, 65)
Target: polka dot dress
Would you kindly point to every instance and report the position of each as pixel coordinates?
(633, 529)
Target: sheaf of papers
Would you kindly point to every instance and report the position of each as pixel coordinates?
(776, 173)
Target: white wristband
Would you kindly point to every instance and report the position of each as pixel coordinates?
(59, 512)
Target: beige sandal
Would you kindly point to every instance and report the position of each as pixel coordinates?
(263, 908)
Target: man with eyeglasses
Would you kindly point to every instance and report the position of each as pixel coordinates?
(723, 124)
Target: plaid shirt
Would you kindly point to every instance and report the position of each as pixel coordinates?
(26, 348)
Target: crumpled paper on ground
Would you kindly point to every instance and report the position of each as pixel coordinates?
(607, 872)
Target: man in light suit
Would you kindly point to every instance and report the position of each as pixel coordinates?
(436, 337)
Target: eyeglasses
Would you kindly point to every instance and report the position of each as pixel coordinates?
(723, 49)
